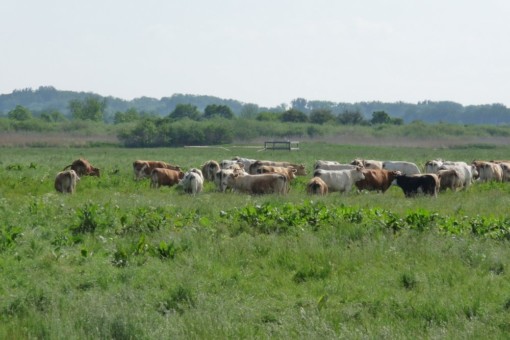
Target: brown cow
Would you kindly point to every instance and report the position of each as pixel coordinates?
(377, 179)
(316, 186)
(258, 184)
(162, 176)
(300, 168)
(450, 179)
(144, 168)
(65, 181)
(83, 168)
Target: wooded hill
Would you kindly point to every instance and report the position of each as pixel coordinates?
(47, 98)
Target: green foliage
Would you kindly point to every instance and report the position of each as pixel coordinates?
(294, 116)
(221, 111)
(268, 116)
(91, 108)
(130, 115)
(185, 111)
(20, 113)
(351, 118)
(321, 116)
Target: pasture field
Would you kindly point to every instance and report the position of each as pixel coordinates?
(121, 260)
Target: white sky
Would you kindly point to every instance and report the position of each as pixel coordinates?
(266, 52)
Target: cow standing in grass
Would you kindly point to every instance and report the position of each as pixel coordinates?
(82, 167)
(65, 181)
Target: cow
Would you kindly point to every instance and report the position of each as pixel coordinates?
(65, 181)
(316, 186)
(320, 163)
(220, 178)
(335, 166)
(406, 168)
(245, 161)
(467, 173)
(411, 185)
(505, 169)
(209, 169)
(488, 171)
(432, 166)
(367, 163)
(300, 168)
(82, 167)
(377, 180)
(192, 183)
(228, 163)
(144, 168)
(450, 179)
(163, 176)
(340, 180)
(198, 172)
(258, 184)
(289, 171)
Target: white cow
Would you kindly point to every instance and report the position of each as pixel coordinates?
(367, 163)
(335, 166)
(340, 180)
(467, 172)
(220, 178)
(406, 168)
(192, 182)
(320, 163)
(433, 166)
(245, 161)
(505, 168)
(488, 171)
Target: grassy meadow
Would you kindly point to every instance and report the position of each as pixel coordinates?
(120, 260)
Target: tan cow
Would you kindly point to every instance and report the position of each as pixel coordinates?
(82, 167)
(377, 179)
(316, 186)
(450, 179)
(66, 180)
(289, 171)
(505, 168)
(220, 178)
(162, 176)
(488, 171)
(258, 184)
(144, 168)
(300, 168)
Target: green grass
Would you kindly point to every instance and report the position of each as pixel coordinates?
(120, 260)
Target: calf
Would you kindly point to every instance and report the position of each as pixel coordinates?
(66, 180)
(192, 182)
(412, 185)
(259, 184)
(162, 176)
(377, 179)
(340, 180)
(316, 186)
(144, 168)
(82, 167)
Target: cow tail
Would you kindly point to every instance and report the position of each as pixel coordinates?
(67, 167)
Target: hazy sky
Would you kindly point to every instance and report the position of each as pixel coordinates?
(266, 52)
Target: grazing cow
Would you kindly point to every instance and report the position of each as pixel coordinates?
(433, 166)
(300, 168)
(340, 180)
(220, 178)
(467, 172)
(406, 168)
(258, 184)
(228, 163)
(412, 185)
(198, 172)
(289, 171)
(65, 181)
(316, 186)
(144, 168)
(450, 179)
(209, 169)
(162, 176)
(488, 171)
(82, 167)
(367, 163)
(192, 182)
(377, 179)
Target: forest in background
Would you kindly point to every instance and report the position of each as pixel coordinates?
(47, 99)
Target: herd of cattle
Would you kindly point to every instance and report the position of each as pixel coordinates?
(265, 177)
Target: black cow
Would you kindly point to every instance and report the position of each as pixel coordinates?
(414, 184)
